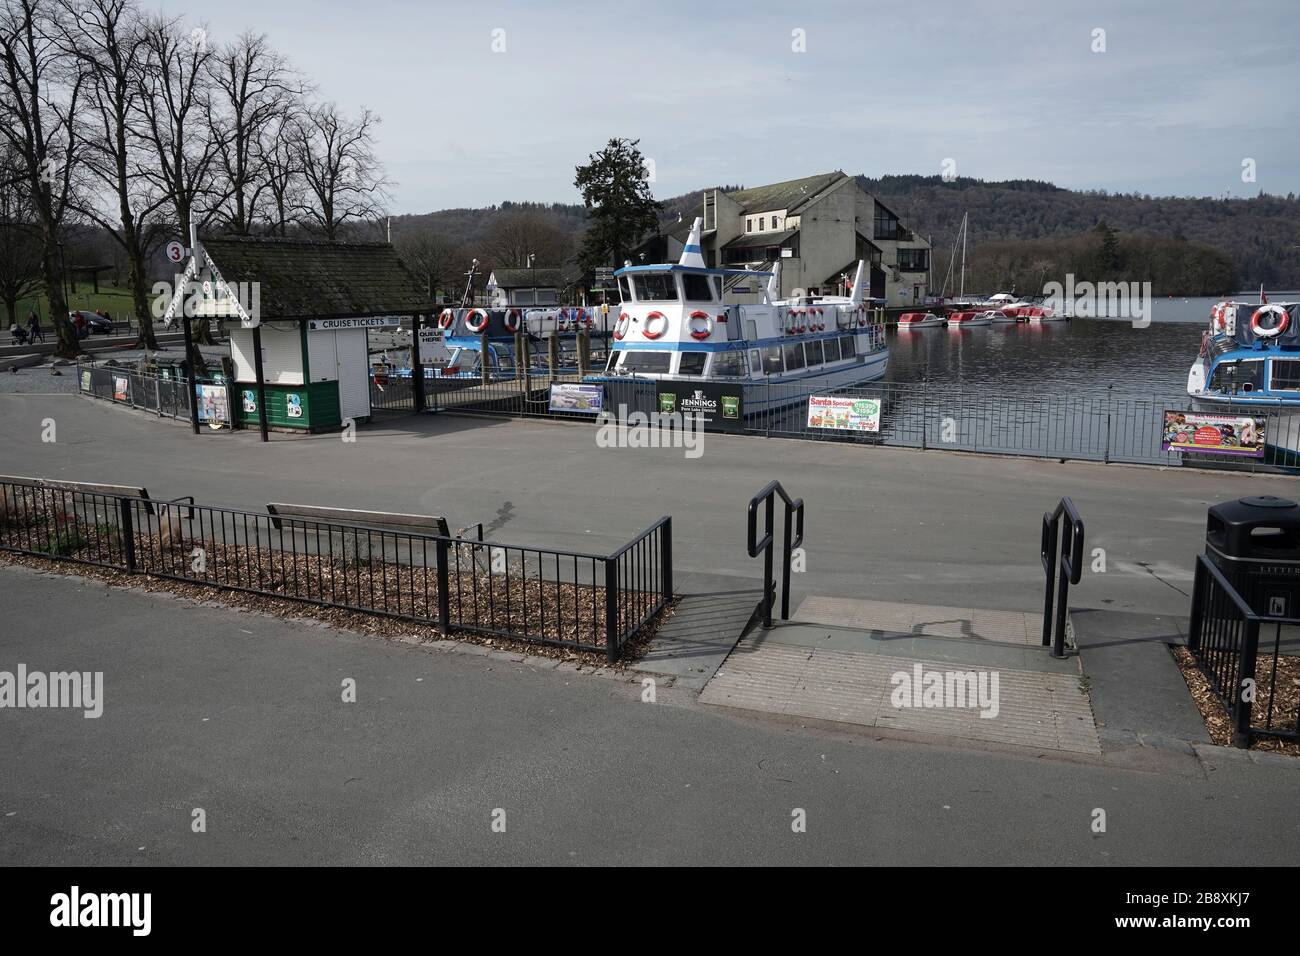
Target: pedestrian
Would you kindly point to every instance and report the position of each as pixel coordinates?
(34, 327)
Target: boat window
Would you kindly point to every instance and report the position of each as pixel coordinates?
(772, 364)
(655, 287)
(697, 287)
(1286, 375)
(692, 363)
(846, 347)
(756, 361)
(1243, 376)
(794, 356)
(612, 361)
(728, 365)
(814, 350)
(717, 286)
(751, 329)
(624, 292)
(644, 361)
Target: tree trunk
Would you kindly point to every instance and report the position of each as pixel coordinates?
(11, 310)
(66, 344)
(139, 296)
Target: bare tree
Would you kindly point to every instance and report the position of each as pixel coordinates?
(281, 164)
(344, 181)
(39, 98)
(175, 105)
(107, 38)
(518, 233)
(429, 255)
(20, 245)
(254, 86)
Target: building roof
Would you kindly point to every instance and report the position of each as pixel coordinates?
(755, 240)
(316, 278)
(528, 278)
(789, 195)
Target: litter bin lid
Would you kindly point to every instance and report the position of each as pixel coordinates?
(1266, 501)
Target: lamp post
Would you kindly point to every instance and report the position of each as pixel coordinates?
(532, 275)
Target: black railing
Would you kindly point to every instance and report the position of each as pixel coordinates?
(1223, 639)
(793, 514)
(165, 395)
(590, 602)
(1065, 564)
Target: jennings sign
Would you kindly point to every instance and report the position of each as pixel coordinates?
(718, 407)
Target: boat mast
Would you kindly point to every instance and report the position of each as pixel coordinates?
(964, 218)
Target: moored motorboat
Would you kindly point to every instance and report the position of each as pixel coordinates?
(920, 320)
(969, 320)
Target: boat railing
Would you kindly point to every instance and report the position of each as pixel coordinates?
(793, 519)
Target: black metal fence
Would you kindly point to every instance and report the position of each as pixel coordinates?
(1261, 696)
(572, 599)
(165, 395)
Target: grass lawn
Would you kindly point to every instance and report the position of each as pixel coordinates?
(117, 302)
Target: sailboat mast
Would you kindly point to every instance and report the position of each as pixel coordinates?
(964, 219)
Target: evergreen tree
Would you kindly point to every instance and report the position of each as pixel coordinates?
(617, 197)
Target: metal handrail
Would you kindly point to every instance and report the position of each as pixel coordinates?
(1070, 564)
(793, 513)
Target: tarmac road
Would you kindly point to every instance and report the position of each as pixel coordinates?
(892, 524)
(241, 715)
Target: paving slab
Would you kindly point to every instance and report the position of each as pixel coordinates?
(1042, 709)
(711, 613)
(931, 620)
(1137, 689)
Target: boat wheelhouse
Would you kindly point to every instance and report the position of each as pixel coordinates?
(674, 325)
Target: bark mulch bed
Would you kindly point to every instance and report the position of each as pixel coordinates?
(553, 610)
(1284, 692)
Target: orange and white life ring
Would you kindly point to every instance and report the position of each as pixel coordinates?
(476, 320)
(446, 319)
(660, 322)
(620, 329)
(512, 320)
(699, 325)
(1280, 323)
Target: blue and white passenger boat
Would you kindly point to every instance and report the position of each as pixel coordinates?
(674, 326)
(1249, 364)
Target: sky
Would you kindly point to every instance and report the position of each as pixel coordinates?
(488, 101)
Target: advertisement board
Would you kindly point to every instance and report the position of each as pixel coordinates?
(573, 397)
(1208, 433)
(853, 414)
(718, 407)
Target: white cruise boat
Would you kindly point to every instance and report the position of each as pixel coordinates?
(674, 326)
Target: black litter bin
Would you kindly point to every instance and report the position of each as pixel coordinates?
(1256, 544)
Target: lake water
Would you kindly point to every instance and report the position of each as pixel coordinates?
(1079, 357)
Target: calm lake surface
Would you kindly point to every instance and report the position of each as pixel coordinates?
(1080, 357)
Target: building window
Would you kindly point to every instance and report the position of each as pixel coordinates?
(749, 225)
(776, 222)
(761, 220)
(913, 260)
(887, 226)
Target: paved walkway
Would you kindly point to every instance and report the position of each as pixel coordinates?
(850, 674)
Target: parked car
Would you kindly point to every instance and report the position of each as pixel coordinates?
(89, 323)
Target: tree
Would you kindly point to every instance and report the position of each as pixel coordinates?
(1108, 252)
(39, 100)
(281, 164)
(107, 39)
(254, 86)
(518, 233)
(617, 197)
(343, 180)
(20, 245)
(429, 255)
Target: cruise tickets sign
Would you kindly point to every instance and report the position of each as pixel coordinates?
(851, 414)
(1238, 436)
